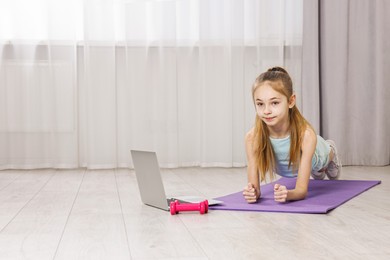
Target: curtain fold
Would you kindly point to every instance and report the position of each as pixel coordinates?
(86, 81)
(353, 80)
(311, 64)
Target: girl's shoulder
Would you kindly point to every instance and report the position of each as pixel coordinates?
(309, 137)
(309, 132)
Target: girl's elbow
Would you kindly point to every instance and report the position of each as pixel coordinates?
(303, 193)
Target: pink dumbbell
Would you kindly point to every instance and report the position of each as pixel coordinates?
(176, 207)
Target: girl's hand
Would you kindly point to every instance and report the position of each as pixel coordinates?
(250, 193)
(280, 193)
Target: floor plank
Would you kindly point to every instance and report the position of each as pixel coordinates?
(95, 228)
(36, 230)
(17, 194)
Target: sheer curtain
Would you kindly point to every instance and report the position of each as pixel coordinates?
(83, 82)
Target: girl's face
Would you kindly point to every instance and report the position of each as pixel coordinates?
(272, 107)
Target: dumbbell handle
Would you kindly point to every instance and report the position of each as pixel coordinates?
(176, 207)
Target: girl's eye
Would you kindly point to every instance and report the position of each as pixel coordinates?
(259, 104)
(275, 103)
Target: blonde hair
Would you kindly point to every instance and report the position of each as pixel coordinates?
(281, 82)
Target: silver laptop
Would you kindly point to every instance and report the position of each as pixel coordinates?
(150, 183)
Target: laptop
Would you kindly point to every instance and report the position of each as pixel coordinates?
(150, 183)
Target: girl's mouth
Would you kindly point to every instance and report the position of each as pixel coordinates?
(269, 118)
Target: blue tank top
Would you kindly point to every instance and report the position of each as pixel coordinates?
(281, 149)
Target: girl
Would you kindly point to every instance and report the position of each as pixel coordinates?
(283, 142)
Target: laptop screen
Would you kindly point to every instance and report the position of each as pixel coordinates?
(149, 179)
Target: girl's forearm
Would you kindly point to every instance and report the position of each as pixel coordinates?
(296, 194)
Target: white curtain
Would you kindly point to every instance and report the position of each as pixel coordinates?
(83, 82)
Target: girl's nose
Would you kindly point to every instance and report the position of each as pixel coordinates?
(266, 110)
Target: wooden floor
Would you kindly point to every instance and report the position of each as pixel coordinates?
(85, 214)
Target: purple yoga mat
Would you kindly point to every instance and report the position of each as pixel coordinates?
(323, 196)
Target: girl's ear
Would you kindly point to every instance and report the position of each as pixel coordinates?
(291, 102)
